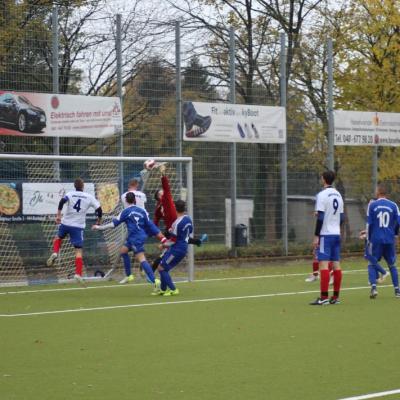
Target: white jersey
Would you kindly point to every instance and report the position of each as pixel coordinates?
(77, 206)
(139, 196)
(330, 202)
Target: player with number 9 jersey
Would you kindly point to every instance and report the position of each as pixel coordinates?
(330, 203)
(329, 209)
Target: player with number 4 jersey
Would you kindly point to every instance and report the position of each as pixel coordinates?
(329, 209)
(383, 218)
(76, 203)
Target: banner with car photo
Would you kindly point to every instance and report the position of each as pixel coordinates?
(41, 114)
(221, 122)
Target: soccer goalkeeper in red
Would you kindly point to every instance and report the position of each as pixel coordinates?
(165, 208)
(166, 211)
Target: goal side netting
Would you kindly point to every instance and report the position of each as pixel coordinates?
(30, 190)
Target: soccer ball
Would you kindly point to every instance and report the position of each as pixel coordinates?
(149, 164)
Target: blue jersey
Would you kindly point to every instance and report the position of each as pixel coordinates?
(382, 221)
(137, 220)
(181, 230)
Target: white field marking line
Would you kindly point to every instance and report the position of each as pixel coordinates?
(373, 395)
(212, 299)
(271, 276)
(184, 281)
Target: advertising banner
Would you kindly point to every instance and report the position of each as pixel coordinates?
(43, 198)
(24, 202)
(221, 122)
(62, 115)
(360, 128)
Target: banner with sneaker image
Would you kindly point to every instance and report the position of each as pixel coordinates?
(221, 122)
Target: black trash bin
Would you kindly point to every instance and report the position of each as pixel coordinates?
(241, 236)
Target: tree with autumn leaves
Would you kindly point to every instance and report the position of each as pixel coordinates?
(367, 76)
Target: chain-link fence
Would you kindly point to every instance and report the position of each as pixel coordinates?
(160, 68)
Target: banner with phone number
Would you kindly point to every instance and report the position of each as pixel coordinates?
(360, 128)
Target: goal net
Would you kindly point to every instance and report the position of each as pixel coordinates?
(30, 191)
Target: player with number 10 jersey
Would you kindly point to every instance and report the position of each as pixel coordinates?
(383, 219)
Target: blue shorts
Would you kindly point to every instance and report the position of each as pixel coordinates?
(172, 258)
(329, 248)
(375, 251)
(75, 235)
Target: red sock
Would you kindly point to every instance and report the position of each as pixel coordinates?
(56, 245)
(324, 275)
(315, 267)
(337, 281)
(78, 266)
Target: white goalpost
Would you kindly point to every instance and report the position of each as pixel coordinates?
(30, 189)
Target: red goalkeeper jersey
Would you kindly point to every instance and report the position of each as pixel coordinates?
(165, 208)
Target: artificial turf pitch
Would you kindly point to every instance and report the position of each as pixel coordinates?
(247, 339)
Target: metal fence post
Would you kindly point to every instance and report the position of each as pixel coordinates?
(178, 95)
(283, 101)
(190, 210)
(374, 169)
(232, 97)
(56, 85)
(118, 50)
(331, 151)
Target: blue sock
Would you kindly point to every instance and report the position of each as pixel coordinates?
(372, 275)
(395, 276)
(127, 263)
(148, 270)
(380, 269)
(163, 285)
(168, 280)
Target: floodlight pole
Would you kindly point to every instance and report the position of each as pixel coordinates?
(232, 87)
